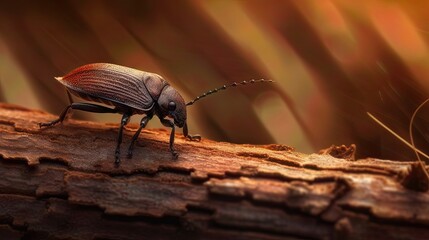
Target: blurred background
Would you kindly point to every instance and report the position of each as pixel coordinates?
(332, 62)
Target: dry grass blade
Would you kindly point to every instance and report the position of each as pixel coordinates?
(411, 126)
(411, 135)
(411, 145)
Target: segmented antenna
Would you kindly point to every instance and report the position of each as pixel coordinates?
(225, 87)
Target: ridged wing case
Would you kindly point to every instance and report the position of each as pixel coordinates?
(115, 85)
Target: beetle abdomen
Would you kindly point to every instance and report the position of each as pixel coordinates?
(113, 85)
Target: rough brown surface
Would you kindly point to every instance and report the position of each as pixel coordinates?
(61, 183)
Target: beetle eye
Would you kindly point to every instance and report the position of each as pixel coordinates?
(171, 106)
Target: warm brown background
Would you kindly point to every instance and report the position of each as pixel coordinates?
(332, 61)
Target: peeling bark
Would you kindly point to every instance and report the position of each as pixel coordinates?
(61, 183)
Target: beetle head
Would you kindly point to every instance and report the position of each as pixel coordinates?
(171, 104)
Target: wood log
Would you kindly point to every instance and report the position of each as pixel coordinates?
(61, 183)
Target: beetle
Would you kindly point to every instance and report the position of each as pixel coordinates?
(130, 91)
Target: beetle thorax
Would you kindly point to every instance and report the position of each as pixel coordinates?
(154, 84)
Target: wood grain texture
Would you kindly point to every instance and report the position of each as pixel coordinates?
(61, 183)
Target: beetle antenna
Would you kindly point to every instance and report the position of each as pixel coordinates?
(234, 84)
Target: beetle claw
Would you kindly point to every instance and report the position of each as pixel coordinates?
(117, 161)
(48, 124)
(130, 151)
(194, 138)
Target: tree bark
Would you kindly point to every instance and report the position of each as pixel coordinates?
(61, 183)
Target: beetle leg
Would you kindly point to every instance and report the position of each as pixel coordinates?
(169, 123)
(88, 107)
(69, 96)
(143, 123)
(69, 113)
(60, 118)
(195, 137)
(124, 121)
